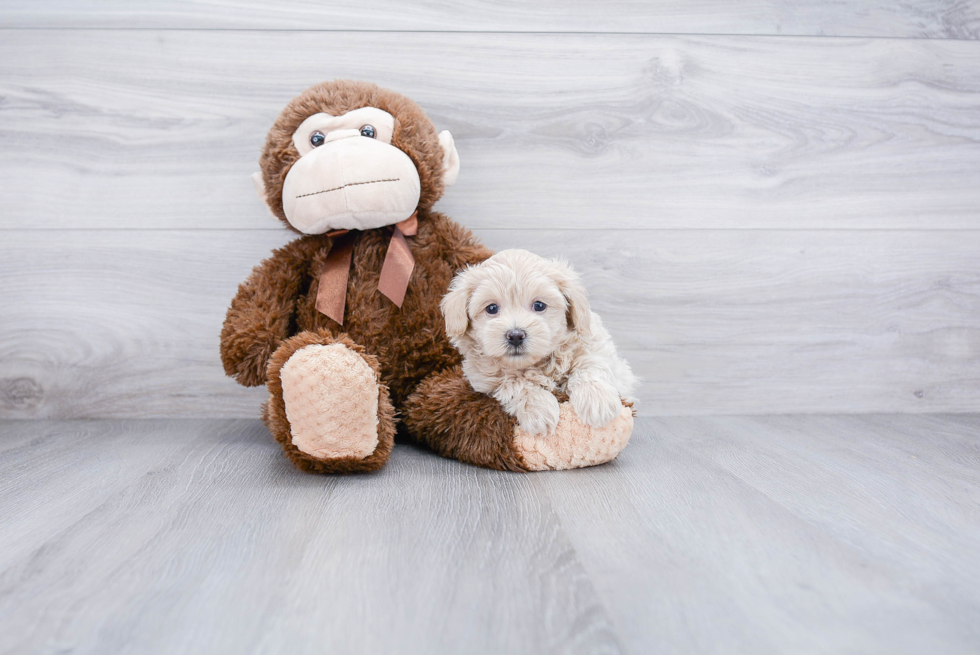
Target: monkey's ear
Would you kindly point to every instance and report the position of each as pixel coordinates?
(450, 165)
(454, 305)
(259, 187)
(260, 192)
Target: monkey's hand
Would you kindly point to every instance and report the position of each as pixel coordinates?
(259, 319)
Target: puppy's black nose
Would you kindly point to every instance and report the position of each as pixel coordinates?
(515, 337)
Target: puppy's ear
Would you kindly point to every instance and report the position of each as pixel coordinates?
(579, 311)
(454, 304)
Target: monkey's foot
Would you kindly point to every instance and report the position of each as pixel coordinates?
(327, 406)
(574, 444)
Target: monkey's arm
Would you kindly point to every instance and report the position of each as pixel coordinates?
(260, 317)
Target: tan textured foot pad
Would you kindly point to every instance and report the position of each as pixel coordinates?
(331, 398)
(574, 444)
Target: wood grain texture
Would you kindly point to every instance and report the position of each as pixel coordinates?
(125, 323)
(163, 129)
(197, 536)
(785, 534)
(708, 534)
(958, 19)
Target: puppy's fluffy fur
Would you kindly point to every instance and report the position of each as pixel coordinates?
(556, 343)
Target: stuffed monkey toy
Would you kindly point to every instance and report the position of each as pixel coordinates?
(343, 324)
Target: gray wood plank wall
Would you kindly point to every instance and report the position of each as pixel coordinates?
(768, 223)
(958, 19)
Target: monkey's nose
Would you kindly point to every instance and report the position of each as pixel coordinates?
(516, 337)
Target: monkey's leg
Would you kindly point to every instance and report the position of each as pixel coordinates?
(446, 414)
(327, 405)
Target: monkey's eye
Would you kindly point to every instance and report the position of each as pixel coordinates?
(539, 306)
(492, 309)
(317, 139)
(368, 131)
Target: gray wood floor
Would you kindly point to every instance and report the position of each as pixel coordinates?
(791, 534)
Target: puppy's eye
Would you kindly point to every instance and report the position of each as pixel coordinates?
(539, 306)
(368, 131)
(492, 309)
(317, 139)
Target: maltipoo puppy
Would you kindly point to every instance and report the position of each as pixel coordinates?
(524, 328)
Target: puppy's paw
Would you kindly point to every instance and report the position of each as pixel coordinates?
(539, 413)
(596, 402)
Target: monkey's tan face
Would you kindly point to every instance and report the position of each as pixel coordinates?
(349, 176)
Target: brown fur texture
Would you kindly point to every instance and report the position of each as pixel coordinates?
(481, 434)
(274, 314)
(278, 300)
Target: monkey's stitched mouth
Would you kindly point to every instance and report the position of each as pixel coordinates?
(344, 186)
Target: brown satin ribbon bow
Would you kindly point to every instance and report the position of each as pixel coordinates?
(331, 297)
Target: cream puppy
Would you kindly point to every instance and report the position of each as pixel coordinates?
(524, 328)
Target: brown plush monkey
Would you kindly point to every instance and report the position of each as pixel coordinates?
(343, 324)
